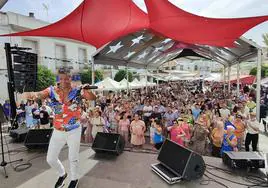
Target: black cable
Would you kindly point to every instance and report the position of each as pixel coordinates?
(255, 180)
(210, 179)
(24, 166)
(231, 180)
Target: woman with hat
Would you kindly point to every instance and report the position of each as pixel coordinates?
(199, 138)
(229, 142)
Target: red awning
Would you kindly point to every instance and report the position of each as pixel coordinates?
(175, 23)
(245, 80)
(98, 22)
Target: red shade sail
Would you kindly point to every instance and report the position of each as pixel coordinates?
(245, 80)
(96, 22)
(175, 23)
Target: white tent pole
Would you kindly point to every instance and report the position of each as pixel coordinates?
(258, 90)
(224, 79)
(146, 85)
(237, 78)
(92, 72)
(229, 78)
(127, 79)
(157, 80)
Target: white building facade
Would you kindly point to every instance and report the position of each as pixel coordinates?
(52, 52)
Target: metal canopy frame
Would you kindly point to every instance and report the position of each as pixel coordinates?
(146, 50)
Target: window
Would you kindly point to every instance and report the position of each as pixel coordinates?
(82, 55)
(31, 44)
(60, 52)
(195, 67)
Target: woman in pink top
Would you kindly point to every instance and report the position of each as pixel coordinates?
(137, 129)
(187, 130)
(176, 133)
(124, 127)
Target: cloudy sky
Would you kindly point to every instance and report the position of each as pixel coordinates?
(57, 9)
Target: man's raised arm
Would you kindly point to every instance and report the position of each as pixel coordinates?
(36, 95)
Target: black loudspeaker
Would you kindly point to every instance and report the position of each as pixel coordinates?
(25, 70)
(38, 138)
(108, 143)
(243, 160)
(182, 161)
(19, 134)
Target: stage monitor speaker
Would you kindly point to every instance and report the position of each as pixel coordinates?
(243, 160)
(181, 161)
(19, 134)
(108, 143)
(38, 138)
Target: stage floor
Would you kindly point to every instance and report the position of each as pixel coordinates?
(129, 170)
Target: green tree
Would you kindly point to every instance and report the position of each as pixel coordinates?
(45, 78)
(86, 76)
(265, 38)
(121, 74)
(264, 71)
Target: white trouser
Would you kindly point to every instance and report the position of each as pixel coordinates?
(57, 141)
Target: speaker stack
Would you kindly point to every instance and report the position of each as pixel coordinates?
(25, 71)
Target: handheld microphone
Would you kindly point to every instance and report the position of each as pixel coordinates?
(90, 87)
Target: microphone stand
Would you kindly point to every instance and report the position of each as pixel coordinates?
(4, 163)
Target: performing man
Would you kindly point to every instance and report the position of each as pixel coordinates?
(66, 103)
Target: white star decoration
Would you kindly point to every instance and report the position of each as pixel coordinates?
(129, 54)
(166, 41)
(115, 48)
(137, 40)
(170, 54)
(152, 58)
(157, 60)
(142, 55)
(157, 49)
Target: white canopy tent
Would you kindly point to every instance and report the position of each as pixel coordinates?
(108, 84)
(123, 84)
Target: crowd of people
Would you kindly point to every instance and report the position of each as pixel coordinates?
(208, 122)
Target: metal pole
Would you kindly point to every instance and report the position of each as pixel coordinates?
(11, 86)
(224, 79)
(258, 90)
(237, 78)
(229, 78)
(92, 72)
(2, 3)
(157, 80)
(127, 79)
(146, 85)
